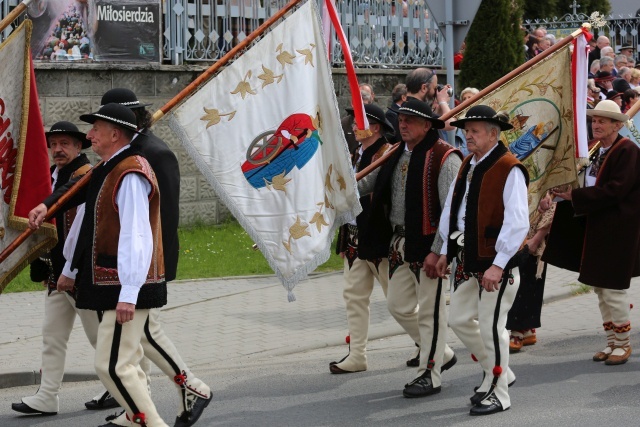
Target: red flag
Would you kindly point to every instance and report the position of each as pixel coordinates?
(24, 162)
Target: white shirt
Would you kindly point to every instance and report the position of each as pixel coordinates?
(516, 215)
(135, 244)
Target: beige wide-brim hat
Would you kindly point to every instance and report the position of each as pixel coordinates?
(609, 109)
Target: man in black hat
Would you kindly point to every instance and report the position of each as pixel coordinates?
(65, 144)
(408, 193)
(119, 257)
(195, 395)
(360, 273)
(483, 229)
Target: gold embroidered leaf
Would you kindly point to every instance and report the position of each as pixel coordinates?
(308, 54)
(299, 229)
(327, 203)
(267, 76)
(342, 182)
(212, 116)
(319, 221)
(285, 58)
(279, 182)
(327, 179)
(243, 89)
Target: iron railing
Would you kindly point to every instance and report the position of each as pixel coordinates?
(380, 34)
(619, 29)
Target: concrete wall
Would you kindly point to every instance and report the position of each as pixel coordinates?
(71, 89)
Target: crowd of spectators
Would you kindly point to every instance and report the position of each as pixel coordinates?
(68, 39)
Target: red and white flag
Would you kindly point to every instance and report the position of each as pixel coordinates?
(24, 162)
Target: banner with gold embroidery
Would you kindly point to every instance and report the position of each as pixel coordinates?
(266, 134)
(24, 161)
(539, 102)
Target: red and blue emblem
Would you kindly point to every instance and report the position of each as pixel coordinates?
(293, 144)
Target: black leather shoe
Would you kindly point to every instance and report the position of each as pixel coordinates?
(189, 417)
(415, 362)
(110, 418)
(23, 408)
(489, 408)
(508, 385)
(477, 397)
(449, 364)
(420, 387)
(106, 401)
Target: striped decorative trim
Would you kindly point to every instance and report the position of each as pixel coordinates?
(619, 329)
(411, 110)
(608, 326)
(122, 122)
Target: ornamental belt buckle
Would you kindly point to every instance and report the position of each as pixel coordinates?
(458, 237)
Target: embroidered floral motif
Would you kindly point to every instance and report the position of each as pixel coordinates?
(415, 268)
(395, 256)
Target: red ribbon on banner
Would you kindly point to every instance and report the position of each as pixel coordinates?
(356, 99)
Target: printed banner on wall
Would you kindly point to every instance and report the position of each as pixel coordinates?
(99, 30)
(266, 134)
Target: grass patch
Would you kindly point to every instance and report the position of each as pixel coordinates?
(226, 250)
(206, 251)
(579, 288)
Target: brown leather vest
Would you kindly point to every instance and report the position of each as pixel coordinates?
(107, 224)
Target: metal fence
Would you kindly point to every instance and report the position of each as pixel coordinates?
(380, 32)
(619, 29)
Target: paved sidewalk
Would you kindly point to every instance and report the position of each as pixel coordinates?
(214, 322)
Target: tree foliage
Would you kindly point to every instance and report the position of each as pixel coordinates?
(494, 44)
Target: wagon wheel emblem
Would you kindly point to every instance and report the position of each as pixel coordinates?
(264, 148)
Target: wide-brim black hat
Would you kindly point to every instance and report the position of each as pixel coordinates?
(376, 114)
(121, 96)
(415, 107)
(483, 113)
(113, 113)
(68, 128)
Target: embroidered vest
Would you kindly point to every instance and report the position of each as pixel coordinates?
(484, 213)
(97, 251)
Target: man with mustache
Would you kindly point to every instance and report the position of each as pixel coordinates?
(65, 143)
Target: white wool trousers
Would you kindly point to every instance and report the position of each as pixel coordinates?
(118, 355)
(59, 316)
(411, 292)
(479, 319)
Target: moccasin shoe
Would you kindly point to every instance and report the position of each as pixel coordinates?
(23, 408)
(515, 344)
(603, 355)
(618, 356)
(420, 387)
(529, 337)
(106, 401)
(488, 406)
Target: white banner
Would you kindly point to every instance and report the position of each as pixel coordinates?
(266, 134)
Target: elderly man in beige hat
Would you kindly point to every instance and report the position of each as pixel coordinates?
(605, 243)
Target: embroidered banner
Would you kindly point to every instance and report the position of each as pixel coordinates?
(23, 148)
(539, 102)
(265, 132)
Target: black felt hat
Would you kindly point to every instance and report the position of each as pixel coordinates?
(113, 113)
(484, 113)
(415, 107)
(376, 114)
(121, 96)
(68, 128)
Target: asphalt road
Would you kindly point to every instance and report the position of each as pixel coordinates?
(557, 385)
